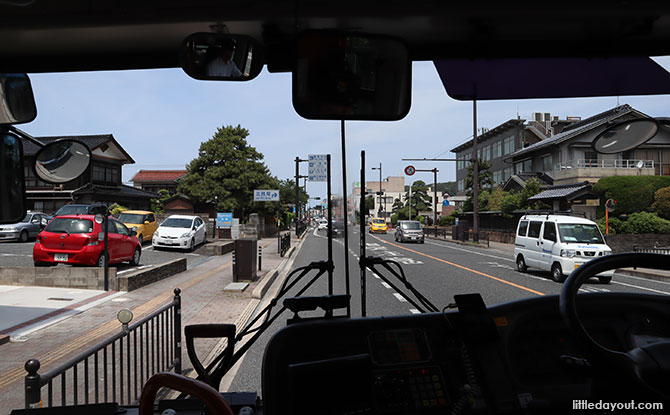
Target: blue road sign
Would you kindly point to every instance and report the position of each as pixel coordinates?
(445, 202)
(224, 220)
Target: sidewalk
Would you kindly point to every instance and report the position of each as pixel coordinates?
(203, 301)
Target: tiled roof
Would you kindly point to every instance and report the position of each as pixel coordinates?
(490, 133)
(157, 175)
(578, 128)
(92, 141)
(119, 191)
(562, 191)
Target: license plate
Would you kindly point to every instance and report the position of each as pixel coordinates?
(167, 242)
(60, 257)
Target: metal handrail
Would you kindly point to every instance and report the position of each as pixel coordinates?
(604, 164)
(163, 353)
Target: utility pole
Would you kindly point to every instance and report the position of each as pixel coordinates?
(475, 172)
(435, 199)
(380, 191)
(298, 160)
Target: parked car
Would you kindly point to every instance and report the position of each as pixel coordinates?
(76, 209)
(143, 220)
(560, 244)
(29, 227)
(378, 225)
(180, 231)
(78, 239)
(409, 230)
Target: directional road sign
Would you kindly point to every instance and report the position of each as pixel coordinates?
(318, 168)
(266, 195)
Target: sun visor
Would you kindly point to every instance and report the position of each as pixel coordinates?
(551, 77)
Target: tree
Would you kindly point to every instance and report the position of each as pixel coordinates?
(158, 204)
(287, 195)
(420, 201)
(449, 187)
(632, 193)
(485, 177)
(115, 209)
(228, 170)
(531, 189)
(661, 203)
(369, 204)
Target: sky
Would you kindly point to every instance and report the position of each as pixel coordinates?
(160, 117)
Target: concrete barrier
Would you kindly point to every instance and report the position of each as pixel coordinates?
(87, 278)
(216, 248)
(142, 277)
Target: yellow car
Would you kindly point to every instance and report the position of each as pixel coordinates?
(378, 225)
(143, 220)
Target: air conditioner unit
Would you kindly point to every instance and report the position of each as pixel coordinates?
(537, 116)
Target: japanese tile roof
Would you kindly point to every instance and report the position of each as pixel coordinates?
(490, 133)
(92, 141)
(119, 191)
(562, 191)
(578, 128)
(157, 175)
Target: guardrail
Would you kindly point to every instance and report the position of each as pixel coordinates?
(152, 345)
(604, 164)
(654, 250)
(284, 243)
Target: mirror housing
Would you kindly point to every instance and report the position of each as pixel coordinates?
(625, 135)
(221, 57)
(62, 161)
(17, 103)
(12, 184)
(146, 222)
(340, 76)
(133, 231)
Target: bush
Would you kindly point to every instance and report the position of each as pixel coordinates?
(510, 202)
(447, 220)
(661, 203)
(645, 222)
(632, 193)
(615, 225)
(116, 209)
(421, 219)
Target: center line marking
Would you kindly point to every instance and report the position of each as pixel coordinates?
(399, 297)
(462, 267)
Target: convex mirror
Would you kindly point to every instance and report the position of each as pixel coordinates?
(221, 57)
(625, 135)
(17, 103)
(12, 190)
(339, 76)
(62, 161)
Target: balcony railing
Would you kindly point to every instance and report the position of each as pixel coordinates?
(604, 164)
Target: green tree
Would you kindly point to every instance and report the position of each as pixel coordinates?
(369, 204)
(228, 170)
(531, 189)
(115, 209)
(158, 204)
(645, 222)
(661, 203)
(632, 193)
(510, 202)
(485, 177)
(495, 199)
(287, 195)
(449, 187)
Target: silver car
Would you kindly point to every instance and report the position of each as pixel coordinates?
(28, 228)
(409, 230)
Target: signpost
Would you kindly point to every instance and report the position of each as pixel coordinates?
(609, 208)
(266, 195)
(445, 202)
(410, 170)
(318, 167)
(224, 220)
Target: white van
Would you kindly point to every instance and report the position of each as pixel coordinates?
(559, 244)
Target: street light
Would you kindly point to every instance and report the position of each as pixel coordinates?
(380, 193)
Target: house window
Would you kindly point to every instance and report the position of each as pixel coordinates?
(591, 156)
(507, 173)
(105, 173)
(461, 185)
(547, 163)
(508, 144)
(528, 165)
(486, 153)
(497, 177)
(496, 149)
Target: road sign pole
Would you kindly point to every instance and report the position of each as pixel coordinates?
(435, 199)
(363, 211)
(330, 233)
(346, 219)
(297, 194)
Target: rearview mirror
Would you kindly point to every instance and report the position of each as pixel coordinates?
(12, 190)
(221, 57)
(62, 161)
(625, 135)
(17, 103)
(351, 77)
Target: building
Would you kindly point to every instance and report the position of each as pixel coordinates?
(568, 157)
(155, 180)
(497, 144)
(392, 188)
(101, 182)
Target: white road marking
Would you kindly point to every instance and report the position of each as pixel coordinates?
(641, 288)
(399, 297)
(191, 254)
(414, 311)
(385, 284)
(642, 279)
(148, 248)
(471, 251)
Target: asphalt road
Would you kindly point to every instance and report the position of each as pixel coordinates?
(439, 270)
(17, 254)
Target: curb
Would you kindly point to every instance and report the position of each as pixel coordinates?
(264, 286)
(641, 274)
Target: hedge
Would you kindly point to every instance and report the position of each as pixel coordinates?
(632, 193)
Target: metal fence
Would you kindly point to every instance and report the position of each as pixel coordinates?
(284, 243)
(654, 250)
(604, 164)
(115, 369)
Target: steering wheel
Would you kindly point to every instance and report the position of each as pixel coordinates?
(647, 366)
(212, 398)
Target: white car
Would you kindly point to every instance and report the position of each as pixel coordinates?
(322, 224)
(180, 231)
(560, 244)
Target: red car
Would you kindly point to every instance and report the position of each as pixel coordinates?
(78, 239)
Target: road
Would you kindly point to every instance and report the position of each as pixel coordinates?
(437, 269)
(17, 254)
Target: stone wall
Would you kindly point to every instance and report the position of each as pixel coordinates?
(627, 242)
(86, 278)
(141, 278)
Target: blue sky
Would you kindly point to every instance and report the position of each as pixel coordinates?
(161, 116)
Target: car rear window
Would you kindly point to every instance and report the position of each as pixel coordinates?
(69, 225)
(410, 225)
(380, 221)
(72, 210)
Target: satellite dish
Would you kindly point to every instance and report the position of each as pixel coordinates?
(625, 135)
(640, 164)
